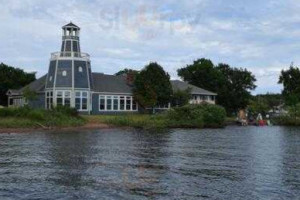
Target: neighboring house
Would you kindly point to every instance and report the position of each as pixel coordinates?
(198, 95)
(70, 82)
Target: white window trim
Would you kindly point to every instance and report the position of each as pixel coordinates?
(49, 97)
(104, 97)
(82, 97)
(63, 96)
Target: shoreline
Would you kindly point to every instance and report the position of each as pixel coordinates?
(88, 126)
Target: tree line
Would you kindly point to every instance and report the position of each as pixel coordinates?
(152, 86)
(12, 78)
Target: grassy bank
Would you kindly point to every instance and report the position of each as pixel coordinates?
(203, 116)
(286, 121)
(38, 118)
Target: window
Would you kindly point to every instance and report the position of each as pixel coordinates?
(49, 99)
(59, 98)
(67, 99)
(134, 105)
(80, 69)
(64, 73)
(50, 78)
(108, 103)
(84, 100)
(122, 103)
(116, 103)
(63, 98)
(128, 103)
(102, 103)
(81, 99)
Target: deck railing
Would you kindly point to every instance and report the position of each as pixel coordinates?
(63, 54)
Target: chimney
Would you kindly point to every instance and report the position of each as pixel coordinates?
(130, 78)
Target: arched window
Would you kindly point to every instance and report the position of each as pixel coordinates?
(80, 69)
(64, 73)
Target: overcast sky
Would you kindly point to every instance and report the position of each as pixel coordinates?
(260, 35)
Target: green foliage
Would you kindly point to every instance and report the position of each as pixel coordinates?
(152, 86)
(182, 117)
(29, 94)
(204, 115)
(286, 120)
(58, 117)
(272, 100)
(291, 119)
(126, 71)
(181, 97)
(258, 105)
(131, 120)
(12, 78)
(291, 81)
(233, 85)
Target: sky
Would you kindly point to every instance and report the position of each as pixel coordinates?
(260, 35)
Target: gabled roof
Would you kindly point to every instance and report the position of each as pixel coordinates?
(110, 83)
(180, 85)
(37, 86)
(69, 25)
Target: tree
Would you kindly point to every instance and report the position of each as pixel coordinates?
(152, 86)
(291, 85)
(233, 85)
(258, 105)
(202, 73)
(12, 78)
(29, 95)
(126, 71)
(234, 92)
(273, 100)
(181, 97)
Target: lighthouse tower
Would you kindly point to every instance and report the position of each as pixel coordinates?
(69, 80)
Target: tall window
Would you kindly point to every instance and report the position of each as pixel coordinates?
(108, 103)
(116, 102)
(122, 103)
(128, 103)
(63, 98)
(134, 105)
(49, 99)
(102, 103)
(81, 99)
(59, 98)
(67, 99)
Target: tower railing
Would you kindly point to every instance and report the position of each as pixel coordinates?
(68, 54)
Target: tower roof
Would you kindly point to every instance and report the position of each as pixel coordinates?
(71, 25)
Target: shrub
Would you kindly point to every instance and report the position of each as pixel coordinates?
(206, 115)
(61, 116)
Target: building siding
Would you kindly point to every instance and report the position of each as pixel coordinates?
(51, 74)
(81, 78)
(39, 102)
(64, 81)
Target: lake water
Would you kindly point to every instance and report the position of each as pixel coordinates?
(231, 163)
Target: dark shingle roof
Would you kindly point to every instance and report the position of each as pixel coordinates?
(36, 86)
(110, 83)
(70, 25)
(180, 85)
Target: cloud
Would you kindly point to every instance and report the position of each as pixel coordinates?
(263, 36)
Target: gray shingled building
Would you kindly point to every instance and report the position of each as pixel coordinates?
(70, 82)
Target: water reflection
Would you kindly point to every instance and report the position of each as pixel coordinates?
(231, 163)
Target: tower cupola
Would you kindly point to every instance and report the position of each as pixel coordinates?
(70, 40)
